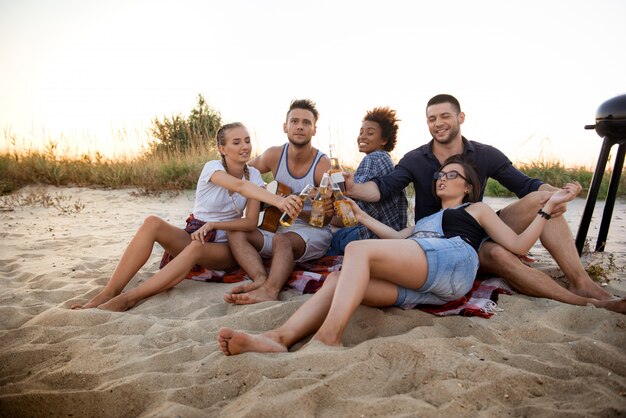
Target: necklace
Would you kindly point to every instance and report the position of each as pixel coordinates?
(232, 197)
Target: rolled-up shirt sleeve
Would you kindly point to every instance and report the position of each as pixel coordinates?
(394, 182)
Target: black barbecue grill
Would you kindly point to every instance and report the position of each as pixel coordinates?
(610, 125)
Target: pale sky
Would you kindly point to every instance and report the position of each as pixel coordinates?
(529, 74)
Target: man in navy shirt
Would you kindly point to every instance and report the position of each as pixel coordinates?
(444, 117)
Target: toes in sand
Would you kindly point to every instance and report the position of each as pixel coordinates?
(255, 296)
(236, 342)
(96, 301)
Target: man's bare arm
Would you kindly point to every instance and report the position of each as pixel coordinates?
(267, 161)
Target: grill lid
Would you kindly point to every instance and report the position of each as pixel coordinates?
(611, 118)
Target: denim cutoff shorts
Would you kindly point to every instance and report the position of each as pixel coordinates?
(341, 238)
(452, 267)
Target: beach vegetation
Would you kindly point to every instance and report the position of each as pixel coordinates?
(178, 134)
(40, 196)
(175, 169)
(599, 272)
(555, 173)
(180, 146)
(150, 173)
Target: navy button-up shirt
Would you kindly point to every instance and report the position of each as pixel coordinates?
(419, 165)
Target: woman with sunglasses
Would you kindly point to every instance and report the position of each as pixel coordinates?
(433, 262)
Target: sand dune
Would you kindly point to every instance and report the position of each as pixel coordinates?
(536, 357)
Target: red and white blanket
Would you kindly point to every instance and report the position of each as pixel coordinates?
(308, 277)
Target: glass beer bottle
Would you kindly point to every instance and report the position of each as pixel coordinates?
(343, 208)
(336, 171)
(317, 212)
(286, 220)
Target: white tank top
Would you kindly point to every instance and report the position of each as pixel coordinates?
(296, 183)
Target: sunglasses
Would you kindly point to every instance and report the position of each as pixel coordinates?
(450, 175)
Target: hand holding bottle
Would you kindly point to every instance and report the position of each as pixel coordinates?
(318, 211)
(286, 220)
(335, 171)
(359, 214)
(292, 205)
(329, 207)
(343, 207)
(349, 182)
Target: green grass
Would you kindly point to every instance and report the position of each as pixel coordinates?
(150, 173)
(179, 170)
(554, 173)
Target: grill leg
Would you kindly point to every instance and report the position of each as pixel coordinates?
(592, 196)
(610, 198)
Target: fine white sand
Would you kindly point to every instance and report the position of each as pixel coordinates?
(536, 357)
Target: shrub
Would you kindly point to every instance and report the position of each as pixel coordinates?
(177, 134)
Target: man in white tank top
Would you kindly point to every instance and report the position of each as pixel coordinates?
(296, 164)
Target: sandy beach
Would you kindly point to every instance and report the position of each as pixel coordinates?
(535, 357)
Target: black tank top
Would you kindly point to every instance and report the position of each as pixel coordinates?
(456, 222)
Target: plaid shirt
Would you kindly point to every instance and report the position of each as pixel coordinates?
(391, 211)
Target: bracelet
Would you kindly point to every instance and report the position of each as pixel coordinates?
(543, 214)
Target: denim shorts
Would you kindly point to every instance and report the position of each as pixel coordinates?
(452, 267)
(341, 238)
(316, 239)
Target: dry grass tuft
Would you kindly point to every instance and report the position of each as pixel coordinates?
(40, 197)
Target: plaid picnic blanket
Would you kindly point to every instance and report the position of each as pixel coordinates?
(308, 277)
(480, 301)
(192, 226)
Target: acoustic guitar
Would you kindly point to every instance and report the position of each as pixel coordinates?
(269, 215)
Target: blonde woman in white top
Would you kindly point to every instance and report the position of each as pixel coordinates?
(227, 199)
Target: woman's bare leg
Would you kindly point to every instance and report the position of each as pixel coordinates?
(364, 260)
(329, 310)
(210, 255)
(152, 230)
(305, 321)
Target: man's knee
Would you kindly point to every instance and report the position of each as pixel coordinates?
(240, 238)
(289, 242)
(494, 255)
(535, 198)
(280, 240)
(519, 214)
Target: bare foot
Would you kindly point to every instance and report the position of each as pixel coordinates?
(235, 342)
(96, 301)
(244, 288)
(615, 305)
(255, 296)
(590, 289)
(120, 303)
